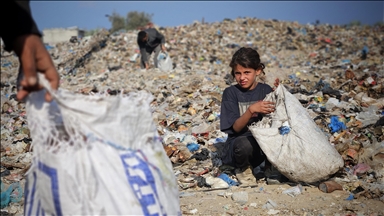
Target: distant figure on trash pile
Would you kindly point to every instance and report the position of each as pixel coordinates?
(20, 34)
(74, 39)
(150, 40)
(241, 105)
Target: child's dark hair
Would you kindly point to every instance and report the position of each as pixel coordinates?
(248, 58)
(142, 35)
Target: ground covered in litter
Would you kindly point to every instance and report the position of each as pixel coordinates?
(335, 72)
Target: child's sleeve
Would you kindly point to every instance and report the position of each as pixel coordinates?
(229, 111)
(18, 22)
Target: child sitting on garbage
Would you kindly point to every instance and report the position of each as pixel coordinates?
(241, 105)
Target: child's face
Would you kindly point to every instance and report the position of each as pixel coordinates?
(246, 77)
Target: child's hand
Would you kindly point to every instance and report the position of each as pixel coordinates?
(277, 82)
(264, 107)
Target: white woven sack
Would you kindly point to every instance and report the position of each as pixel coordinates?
(302, 155)
(164, 62)
(97, 155)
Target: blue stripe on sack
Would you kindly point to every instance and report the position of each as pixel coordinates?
(26, 189)
(42, 212)
(150, 179)
(145, 168)
(153, 166)
(38, 208)
(52, 173)
(32, 194)
(92, 138)
(148, 199)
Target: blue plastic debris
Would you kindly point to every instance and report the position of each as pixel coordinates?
(284, 130)
(14, 193)
(193, 147)
(102, 44)
(220, 139)
(303, 31)
(161, 56)
(348, 170)
(365, 49)
(8, 64)
(336, 125)
(346, 61)
(47, 47)
(226, 178)
(322, 85)
(292, 76)
(350, 197)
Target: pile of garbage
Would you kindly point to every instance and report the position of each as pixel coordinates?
(336, 72)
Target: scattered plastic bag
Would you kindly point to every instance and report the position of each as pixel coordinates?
(294, 191)
(97, 155)
(164, 62)
(336, 125)
(304, 152)
(14, 193)
(369, 117)
(216, 182)
(192, 147)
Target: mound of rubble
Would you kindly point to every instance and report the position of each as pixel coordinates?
(336, 72)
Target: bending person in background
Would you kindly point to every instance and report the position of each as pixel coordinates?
(149, 41)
